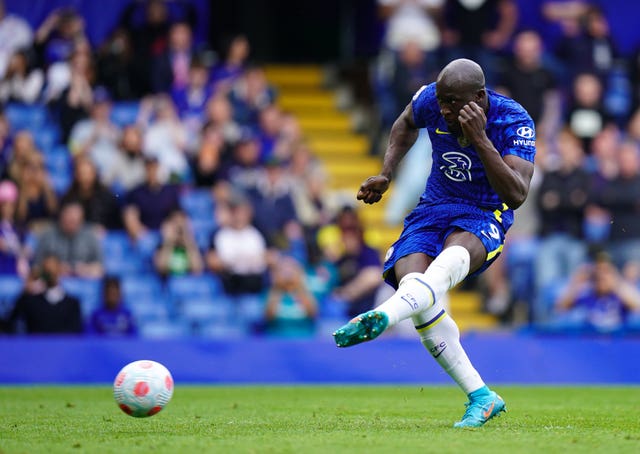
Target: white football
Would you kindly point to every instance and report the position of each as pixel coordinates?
(143, 388)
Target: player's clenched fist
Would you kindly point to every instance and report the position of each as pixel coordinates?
(372, 189)
(473, 121)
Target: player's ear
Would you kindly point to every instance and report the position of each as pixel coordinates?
(481, 95)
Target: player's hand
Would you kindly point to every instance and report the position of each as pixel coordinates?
(372, 189)
(473, 122)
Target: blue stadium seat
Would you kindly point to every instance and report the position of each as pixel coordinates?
(198, 204)
(47, 137)
(10, 288)
(120, 256)
(182, 288)
(125, 113)
(148, 310)
(140, 287)
(202, 231)
(22, 116)
(207, 310)
(88, 291)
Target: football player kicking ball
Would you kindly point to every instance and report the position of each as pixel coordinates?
(483, 150)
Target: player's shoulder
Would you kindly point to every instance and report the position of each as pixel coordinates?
(506, 109)
(424, 104)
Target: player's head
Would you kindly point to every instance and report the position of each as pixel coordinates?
(459, 83)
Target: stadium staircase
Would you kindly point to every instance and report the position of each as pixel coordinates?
(302, 90)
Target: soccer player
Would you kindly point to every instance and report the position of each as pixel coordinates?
(483, 151)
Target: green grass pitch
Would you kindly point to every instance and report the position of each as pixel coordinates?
(315, 419)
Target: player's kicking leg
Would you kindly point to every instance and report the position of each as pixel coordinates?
(417, 297)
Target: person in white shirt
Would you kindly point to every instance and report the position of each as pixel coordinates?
(15, 34)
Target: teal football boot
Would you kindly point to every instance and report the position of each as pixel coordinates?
(362, 328)
(481, 409)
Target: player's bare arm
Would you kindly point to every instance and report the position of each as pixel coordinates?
(509, 176)
(404, 134)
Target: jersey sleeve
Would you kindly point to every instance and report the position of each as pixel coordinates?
(420, 104)
(519, 138)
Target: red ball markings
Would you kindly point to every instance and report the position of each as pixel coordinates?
(168, 382)
(154, 410)
(141, 389)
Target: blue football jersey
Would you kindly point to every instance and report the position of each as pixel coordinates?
(457, 174)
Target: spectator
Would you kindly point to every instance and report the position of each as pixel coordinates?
(479, 30)
(270, 124)
(171, 69)
(249, 95)
(206, 166)
(127, 169)
(238, 251)
(244, 169)
(148, 40)
(599, 297)
(115, 66)
(98, 203)
(164, 137)
(352, 261)
(73, 243)
(411, 21)
(591, 49)
(291, 309)
(97, 136)
(359, 270)
(69, 88)
(530, 82)
(15, 34)
(13, 252)
(273, 204)
(585, 116)
(58, 35)
(561, 200)
(227, 72)
(191, 102)
(620, 198)
(113, 319)
(16, 155)
(21, 82)
(149, 204)
(37, 202)
(44, 307)
(178, 252)
(220, 114)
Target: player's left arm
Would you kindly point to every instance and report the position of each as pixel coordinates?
(510, 175)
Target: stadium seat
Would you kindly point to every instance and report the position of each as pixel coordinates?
(202, 230)
(22, 116)
(140, 287)
(120, 257)
(88, 291)
(198, 204)
(147, 310)
(10, 288)
(125, 113)
(46, 138)
(199, 311)
(182, 288)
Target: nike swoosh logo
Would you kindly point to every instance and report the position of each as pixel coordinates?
(487, 413)
(439, 131)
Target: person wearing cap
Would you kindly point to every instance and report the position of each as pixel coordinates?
(97, 136)
(13, 253)
(148, 205)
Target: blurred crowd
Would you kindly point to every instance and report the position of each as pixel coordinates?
(580, 226)
(151, 184)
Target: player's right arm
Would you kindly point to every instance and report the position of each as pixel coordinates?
(404, 134)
